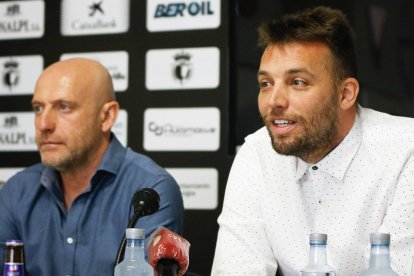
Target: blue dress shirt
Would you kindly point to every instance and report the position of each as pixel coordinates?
(84, 240)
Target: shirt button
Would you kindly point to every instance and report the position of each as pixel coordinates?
(69, 240)
(314, 168)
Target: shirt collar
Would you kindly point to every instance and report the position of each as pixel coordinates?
(337, 162)
(113, 156)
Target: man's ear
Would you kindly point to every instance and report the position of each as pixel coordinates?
(109, 114)
(349, 93)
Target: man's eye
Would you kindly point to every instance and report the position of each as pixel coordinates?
(37, 108)
(63, 106)
(298, 82)
(264, 84)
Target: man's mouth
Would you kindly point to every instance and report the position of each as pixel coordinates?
(282, 123)
(49, 144)
(281, 127)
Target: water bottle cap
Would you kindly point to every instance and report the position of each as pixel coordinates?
(14, 242)
(135, 233)
(318, 238)
(380, 238)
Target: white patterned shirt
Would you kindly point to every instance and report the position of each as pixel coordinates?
(273, 202)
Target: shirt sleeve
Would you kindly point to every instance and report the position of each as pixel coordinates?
(7, 225)
(242, 246)
(399, 221)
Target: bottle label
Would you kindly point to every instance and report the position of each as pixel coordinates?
(13, 269)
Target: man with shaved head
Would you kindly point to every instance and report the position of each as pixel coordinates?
(71, 210)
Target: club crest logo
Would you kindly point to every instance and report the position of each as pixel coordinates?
(11, 74)
(182, 67)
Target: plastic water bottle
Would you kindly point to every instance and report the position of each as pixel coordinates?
(379, 262)
(134, 263)
(317, 265)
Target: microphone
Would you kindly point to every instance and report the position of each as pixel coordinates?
(168, 253)
(146, 202)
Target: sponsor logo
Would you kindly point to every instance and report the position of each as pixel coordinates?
(11, 74)
(183, 9)
(19, 74)
(80, 17)
(164, 15)
(21, 19)
(199, 187)
(17, 131)
(189, 68)
(169, 129)
(10, 122)
(116, 62)
(183, 67)
(96, 7)
(13, 10)
(174, 129)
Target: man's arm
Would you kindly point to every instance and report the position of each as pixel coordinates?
(399, 221)
(242, 246)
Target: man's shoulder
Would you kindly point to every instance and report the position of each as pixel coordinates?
(27, 178)
(140, 163)
(374, 121)
(35, 170)
(387, 136)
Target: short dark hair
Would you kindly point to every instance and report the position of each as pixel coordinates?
(319, 24)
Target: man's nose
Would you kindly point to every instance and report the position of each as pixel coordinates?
(45, 121)
(278, 97)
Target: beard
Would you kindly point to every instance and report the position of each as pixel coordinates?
(72, 159)
(74, 155)
(319, 131)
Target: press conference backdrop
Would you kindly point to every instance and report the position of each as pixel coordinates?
(185, 76)
(170, 67)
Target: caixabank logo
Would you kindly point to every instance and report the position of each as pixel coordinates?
(116, 62)
(170, 15)
(85, 17)
(22, 19)
(17, 131)
(182, 68)
(182, 129)
(19, 74)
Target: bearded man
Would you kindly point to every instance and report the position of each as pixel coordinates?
(321, 164)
